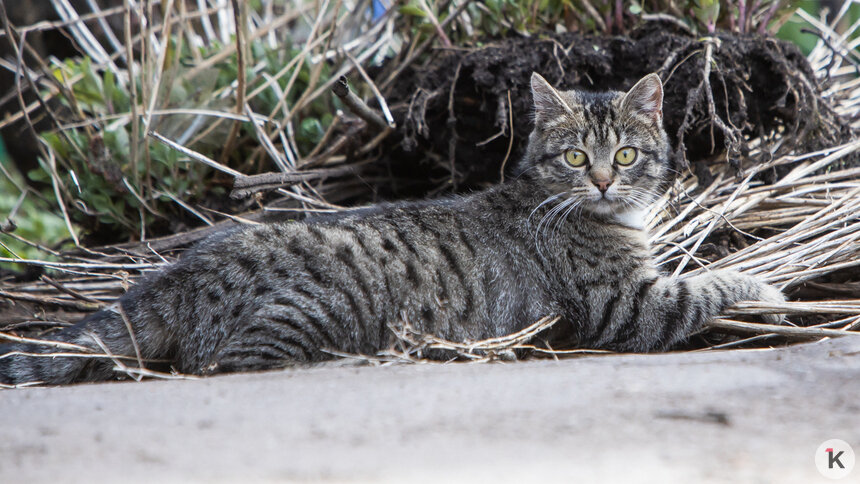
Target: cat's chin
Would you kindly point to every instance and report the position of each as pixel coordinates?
(604, 206)
(630, 217)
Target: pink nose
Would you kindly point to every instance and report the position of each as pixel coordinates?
(602, 185)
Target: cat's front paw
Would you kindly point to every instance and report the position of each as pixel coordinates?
(735, 287)
(771, 295)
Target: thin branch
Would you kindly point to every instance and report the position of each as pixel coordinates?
(356, 105)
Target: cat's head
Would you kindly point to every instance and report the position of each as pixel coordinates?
(604, 152)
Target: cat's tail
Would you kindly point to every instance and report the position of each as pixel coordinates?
(73, 354)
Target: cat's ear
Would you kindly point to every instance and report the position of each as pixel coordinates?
(646, 98)
(548, 102)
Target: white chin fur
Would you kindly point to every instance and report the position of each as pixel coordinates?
(633, 218)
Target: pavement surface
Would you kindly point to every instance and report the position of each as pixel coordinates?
(734, 416)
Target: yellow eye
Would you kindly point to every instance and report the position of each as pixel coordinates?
(626, 156)
(575, 157)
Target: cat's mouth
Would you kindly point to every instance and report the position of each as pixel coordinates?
(606, 197)
(617, 202)
(603, 203)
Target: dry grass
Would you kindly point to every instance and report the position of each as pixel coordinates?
(805, 226)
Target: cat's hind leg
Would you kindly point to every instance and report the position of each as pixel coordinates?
(268, 341)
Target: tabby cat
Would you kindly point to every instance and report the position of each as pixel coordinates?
(564, 238)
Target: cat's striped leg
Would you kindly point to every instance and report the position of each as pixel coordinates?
(663, 311)
(291, 330)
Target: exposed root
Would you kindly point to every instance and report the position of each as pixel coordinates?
(732, 134)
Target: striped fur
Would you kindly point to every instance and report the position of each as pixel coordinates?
(467, 267)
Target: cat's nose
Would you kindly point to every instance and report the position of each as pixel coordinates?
(602, 184)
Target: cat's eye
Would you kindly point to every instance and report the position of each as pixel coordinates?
(626, 156)
(575, 157)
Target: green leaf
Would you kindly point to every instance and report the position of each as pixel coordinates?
(39, 175)
(707, 11)
(413, 10)
(109, 86)
(311, 129)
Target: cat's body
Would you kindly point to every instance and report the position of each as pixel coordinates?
(559, 240)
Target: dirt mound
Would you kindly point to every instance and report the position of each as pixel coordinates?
(454, 111)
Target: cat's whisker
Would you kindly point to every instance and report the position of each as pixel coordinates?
(635, 200)
(548, 200)
(569, 210)
(546, 216)
(550, 227)
(563, 218)
(640, 198)
(546, 221)
(648, 193)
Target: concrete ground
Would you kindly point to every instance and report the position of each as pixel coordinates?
(738, 416)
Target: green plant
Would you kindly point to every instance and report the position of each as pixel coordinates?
(114, 176)
(25, 217)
